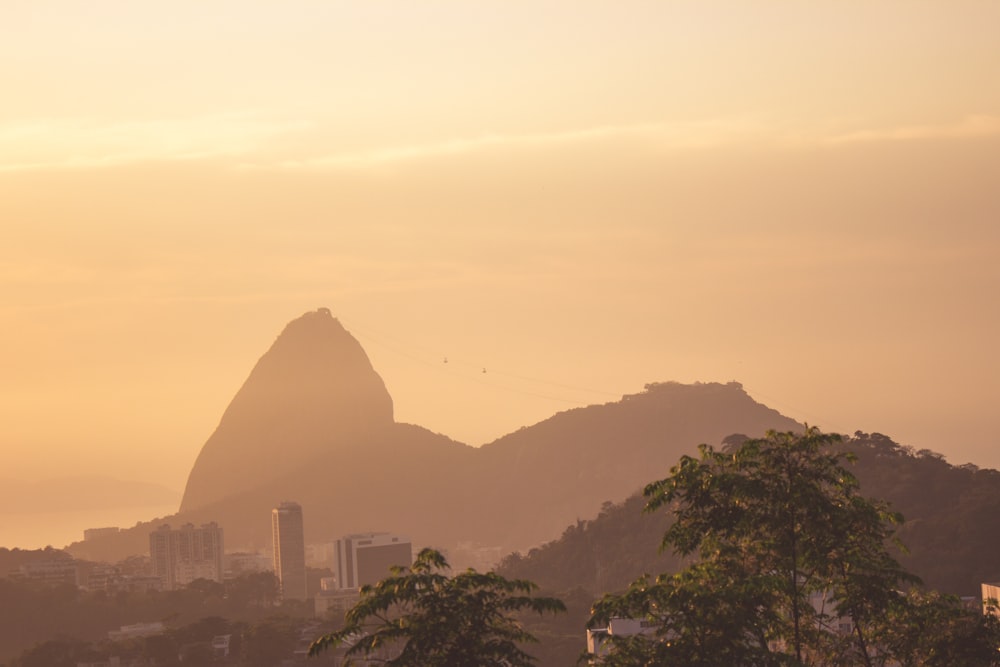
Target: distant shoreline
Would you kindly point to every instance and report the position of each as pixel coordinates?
(36, 530)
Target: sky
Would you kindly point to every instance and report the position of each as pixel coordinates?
(577, 197)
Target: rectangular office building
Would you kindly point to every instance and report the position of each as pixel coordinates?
(365, 558)
(181, 555)
(289, 550)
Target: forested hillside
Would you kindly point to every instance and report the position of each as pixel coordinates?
(948, 512)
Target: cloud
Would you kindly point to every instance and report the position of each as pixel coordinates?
(252, 141)
(970, 127)
(657, 135)
(80, 143)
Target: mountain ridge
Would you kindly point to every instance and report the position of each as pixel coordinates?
(313, 422)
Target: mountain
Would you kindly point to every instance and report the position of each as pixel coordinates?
(313, 423)
(313, 393)
(565, 467)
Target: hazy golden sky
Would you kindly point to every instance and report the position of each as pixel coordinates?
(581, 197)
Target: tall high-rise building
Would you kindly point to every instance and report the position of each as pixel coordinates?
(180, 556)
(365, 558)
(289, 550)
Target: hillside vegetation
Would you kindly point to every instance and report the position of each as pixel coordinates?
(948, 511)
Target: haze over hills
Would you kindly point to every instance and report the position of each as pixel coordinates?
(313, 422)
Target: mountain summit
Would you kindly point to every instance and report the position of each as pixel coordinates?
(313, 392)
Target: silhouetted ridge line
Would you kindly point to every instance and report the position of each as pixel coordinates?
(313, 421)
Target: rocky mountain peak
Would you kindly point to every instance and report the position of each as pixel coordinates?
(311, 393)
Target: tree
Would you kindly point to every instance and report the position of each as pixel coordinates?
(931, 630)
(791, 564)
(694, 614)
(207, 588)
(60, 652)
(420, 617)
(160, 649)
(253, 589)
(268, 642)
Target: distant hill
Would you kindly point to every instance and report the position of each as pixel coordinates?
(564, 468)
(949, 510)
(313, 423)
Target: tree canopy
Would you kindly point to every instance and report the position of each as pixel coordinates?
(790, 565)
(421, 617)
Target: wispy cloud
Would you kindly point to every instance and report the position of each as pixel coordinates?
(654, 137)
(967, 128)
(250, 140)
(255, 142)
(58, 143)
(659, 135)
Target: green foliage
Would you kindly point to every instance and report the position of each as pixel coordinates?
(559, 635)
(701, 616)
(945, 506)
(208, 588)
(61, 652)
(787, 554)
(932, 630)
(420, 617)
(269, 641)
(602, 554)
(161, 649)
(253, 590)
(29, 613)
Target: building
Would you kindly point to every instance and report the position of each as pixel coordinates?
(221, 645)
(137, 630)
(52, 572)
(135, 583)
(289, 550)
(180, 556)
(242, 562)
(320, 555)
(621, 627)
(96, 576)
(991, 598)
(334, 601)
(365, 558)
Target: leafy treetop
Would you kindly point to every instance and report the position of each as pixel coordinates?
(421, 617)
